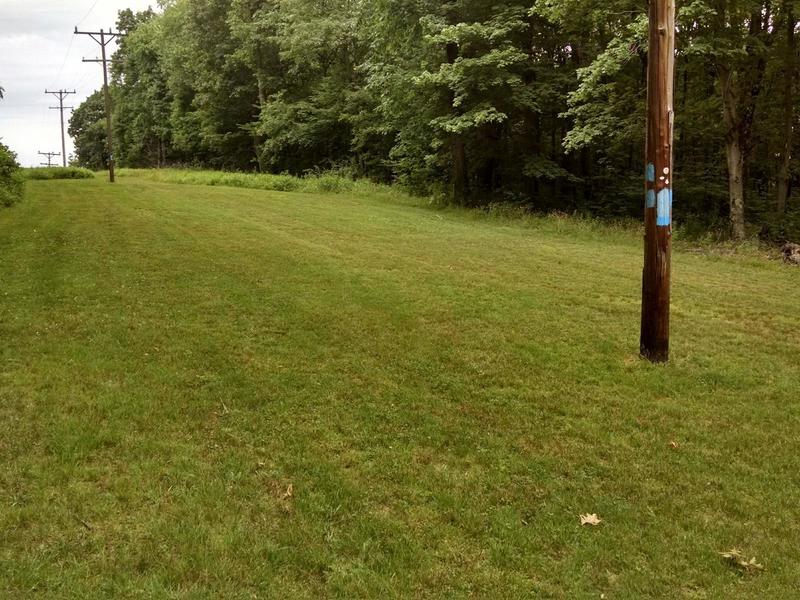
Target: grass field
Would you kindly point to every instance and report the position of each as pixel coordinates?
(209, 392)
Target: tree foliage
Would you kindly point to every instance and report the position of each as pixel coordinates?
(10, 179)
(533, 101)
(87, 127)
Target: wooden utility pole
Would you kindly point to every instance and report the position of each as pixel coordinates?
(104, 38)
(61, 94)
(50, 156)
(654, 343)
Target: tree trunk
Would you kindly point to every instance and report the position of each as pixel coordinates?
(734, 148)
(735, 157)
(741, 83)
(790, 72)
(458, 147)
(258, 139)
(460, 177)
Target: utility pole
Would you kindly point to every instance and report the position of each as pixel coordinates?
(50, 156)
(61, 94)
(654, 344)
(104, 38)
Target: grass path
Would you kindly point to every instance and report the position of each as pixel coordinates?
(210, 392)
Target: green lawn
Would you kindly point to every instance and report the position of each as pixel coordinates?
(211, 392)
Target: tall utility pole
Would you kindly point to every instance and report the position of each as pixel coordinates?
(654, 344)
(50, 156)
(61, 94)
(104, 38)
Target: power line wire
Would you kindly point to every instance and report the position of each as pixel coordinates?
(79, 83)
(63, 64)
(72, 41)
(86, 16)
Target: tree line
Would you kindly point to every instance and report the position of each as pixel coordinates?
(537, 102)
(10, 180)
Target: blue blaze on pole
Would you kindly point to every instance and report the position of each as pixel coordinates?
(664, 208)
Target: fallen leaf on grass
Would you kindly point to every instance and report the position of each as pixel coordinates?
(673, 445)
(82, 522)
(289, 492)
(735, 558)
(592, 520)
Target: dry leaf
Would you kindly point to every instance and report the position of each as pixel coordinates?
(592, 519)
(735, 558)
(673, 445)
(289, 492)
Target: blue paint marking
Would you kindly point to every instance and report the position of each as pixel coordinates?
(651, 199)
(651, 172)
(664, 208)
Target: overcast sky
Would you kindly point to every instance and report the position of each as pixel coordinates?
(38, 50)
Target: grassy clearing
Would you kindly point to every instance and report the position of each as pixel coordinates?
(211, 392)
(686, 236)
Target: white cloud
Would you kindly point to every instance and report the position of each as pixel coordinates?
(36, 39)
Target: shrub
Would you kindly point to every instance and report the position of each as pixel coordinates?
(58, 173)
(333, 182)
(329, 184)
(10, 180)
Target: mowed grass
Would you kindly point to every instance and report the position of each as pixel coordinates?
(210, 392)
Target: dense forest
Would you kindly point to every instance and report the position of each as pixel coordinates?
(536, 102)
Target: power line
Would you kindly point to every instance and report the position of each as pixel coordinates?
(72, 41)
(80, 79)
(86, 16)
(61, 94)
(50, 156)
(104, 38)
(64, 63)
